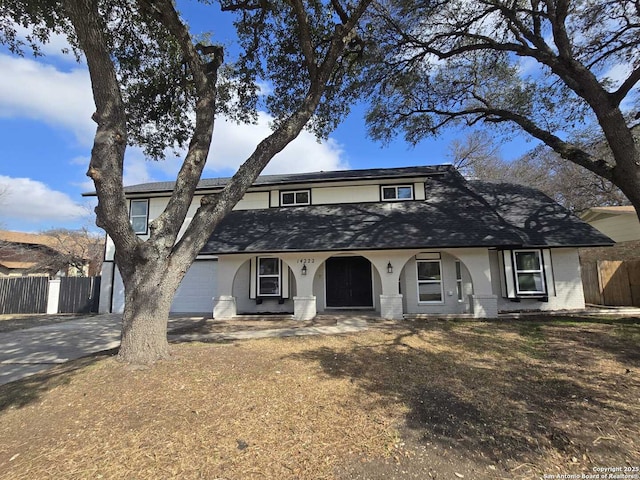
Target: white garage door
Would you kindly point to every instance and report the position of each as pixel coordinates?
(195, 293)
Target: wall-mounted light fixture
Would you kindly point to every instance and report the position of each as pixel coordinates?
(389, 268)
(304, 269)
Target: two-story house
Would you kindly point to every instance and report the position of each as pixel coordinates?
(415, 240)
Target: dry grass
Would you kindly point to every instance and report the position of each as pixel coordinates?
(481, 399)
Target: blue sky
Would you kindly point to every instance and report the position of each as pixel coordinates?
(46, 133)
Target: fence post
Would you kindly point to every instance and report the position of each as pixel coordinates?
(53, 299)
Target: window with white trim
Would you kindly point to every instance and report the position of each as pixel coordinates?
(268, 277)
(459, 281)
(139, 215)
(429, 281)
(397, 192)
(295, 197)
(529, 274)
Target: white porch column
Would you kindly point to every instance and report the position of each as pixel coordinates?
(483, 301)
(391, 307)
(304, 303)
(224, 305)
(304, 308)
(390, 298)
(484, 306)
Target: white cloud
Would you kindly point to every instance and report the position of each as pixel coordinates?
(137, 168)
(28, 200)
(31, 89)
(55, 47)
(528, 66)
(618, 73)
(232, 144)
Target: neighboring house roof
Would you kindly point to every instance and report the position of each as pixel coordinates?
(296, 178)
(24, 252)
(456, 213)
(44, 253)
(619, 223)
(16, 265)
(597, 213)
(30, 239)
(63, 243)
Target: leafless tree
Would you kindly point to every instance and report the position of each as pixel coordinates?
(478, 157)
(75, 252)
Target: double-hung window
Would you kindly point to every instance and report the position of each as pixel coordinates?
(397, 192)
(529, 272)
(139, 215)
(268, 277)
(459, 286)
(429, 281)
(295, 197)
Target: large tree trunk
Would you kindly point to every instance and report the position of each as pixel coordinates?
(152, 269)
(149, 291)
(144, 330)
(630, 186)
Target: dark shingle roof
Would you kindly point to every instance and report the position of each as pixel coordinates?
(455, 214)
(292, 178)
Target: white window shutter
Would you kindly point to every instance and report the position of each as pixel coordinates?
(285, 279)
(503, 285)
(253, 278)
(548, 272)
(510, 286)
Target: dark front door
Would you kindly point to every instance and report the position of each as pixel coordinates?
(349, 282)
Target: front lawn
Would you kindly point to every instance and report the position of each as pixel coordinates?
(439, 399)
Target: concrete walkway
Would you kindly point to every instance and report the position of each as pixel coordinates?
(29, 351)
(25, 352)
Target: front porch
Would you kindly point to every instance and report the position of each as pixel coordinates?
(388, 284)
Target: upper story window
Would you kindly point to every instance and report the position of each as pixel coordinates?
(528, 272)
(139, 215)
(295, 197)
(397, 192)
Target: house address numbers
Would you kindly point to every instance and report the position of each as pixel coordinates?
(306, 260)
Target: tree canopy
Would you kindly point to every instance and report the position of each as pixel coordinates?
(157, 86)
(547, 67)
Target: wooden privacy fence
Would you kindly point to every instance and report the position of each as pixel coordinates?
(612, 282)
(23, 295)
(41, 295)
(79, 294)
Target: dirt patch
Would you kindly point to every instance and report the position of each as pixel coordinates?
(475, 400)
(205, 326)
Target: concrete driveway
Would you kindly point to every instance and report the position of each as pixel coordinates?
(25, 352)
